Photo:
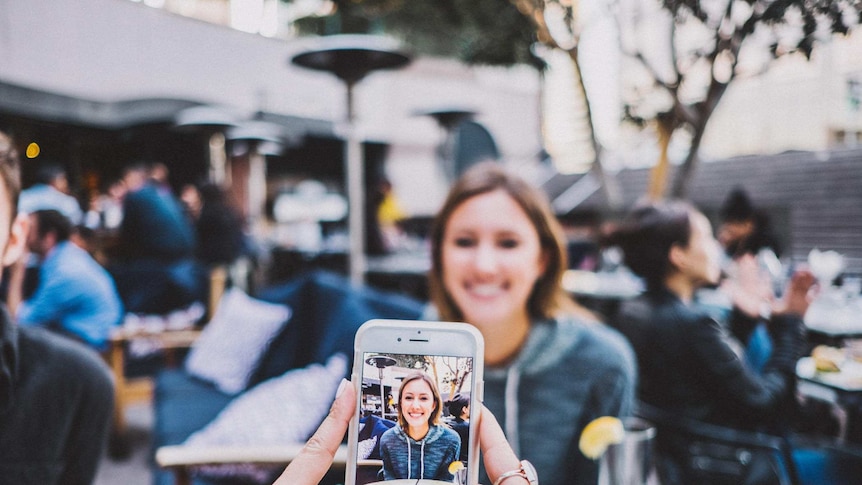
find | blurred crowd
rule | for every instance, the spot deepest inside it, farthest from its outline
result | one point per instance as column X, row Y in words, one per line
column 135, row 248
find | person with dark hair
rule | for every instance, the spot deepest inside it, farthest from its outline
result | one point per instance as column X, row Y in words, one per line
column 419, row 446
column 459, row 409
column 51, row 191
column 685, row 357
column 154, row 267
column 744, row 229
column 75, row 295
column 219, row 228
column 745, row 234
column 56, row 395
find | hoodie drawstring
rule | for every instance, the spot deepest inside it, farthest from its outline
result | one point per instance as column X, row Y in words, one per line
column 513, row 381
column 410, row 458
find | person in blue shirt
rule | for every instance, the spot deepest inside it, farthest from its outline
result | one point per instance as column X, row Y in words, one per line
column 75, row 295
column 51, row 191
column 154, row 265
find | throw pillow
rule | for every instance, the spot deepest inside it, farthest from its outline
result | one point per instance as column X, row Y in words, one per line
column 280, row 411
column 233, row 342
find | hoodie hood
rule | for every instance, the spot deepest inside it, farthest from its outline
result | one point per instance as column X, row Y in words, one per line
column 434, row 434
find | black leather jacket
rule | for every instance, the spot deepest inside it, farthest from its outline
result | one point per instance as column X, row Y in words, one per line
column 692, row 365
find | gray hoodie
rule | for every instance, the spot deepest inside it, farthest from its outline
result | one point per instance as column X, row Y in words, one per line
column 404, row 457
column 568, row 373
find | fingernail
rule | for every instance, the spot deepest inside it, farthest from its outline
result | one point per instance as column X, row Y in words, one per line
column 341, row 387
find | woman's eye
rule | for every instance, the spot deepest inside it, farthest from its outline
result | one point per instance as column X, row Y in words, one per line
column 464, row 242
column 508, row 243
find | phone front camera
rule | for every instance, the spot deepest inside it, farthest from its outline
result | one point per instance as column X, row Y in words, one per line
column 399, row 339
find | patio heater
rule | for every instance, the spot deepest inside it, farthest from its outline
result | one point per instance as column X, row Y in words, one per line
column 212, row 121
column 351, row 57
column 381, row 362
column 448, row 119
column 258, row 139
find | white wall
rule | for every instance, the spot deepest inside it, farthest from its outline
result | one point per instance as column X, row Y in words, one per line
column 114, row 50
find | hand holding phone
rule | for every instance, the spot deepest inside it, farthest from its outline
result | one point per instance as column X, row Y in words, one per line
column 312, row 463
column 417, row 405
column 314, row 460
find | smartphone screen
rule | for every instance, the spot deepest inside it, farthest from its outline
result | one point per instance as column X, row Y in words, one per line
column 415, row 406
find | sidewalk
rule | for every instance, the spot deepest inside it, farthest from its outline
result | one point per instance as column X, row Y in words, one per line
column 134, row 470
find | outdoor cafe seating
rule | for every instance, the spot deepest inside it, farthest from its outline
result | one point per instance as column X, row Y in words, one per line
column 829, row 388
column 298, row 357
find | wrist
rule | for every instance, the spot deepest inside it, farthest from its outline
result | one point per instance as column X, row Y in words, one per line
column 512, row 480
column 526, row 473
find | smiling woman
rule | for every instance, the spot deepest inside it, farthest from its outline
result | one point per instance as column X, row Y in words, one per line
column 419, row 446
column 498, row 258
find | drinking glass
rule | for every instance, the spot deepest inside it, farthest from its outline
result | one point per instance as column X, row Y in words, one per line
column 631, row 461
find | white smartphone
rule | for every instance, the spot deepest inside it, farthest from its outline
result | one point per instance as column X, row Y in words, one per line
column 419, row 394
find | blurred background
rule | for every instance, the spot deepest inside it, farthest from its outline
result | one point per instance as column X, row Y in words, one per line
column 336, row 126
column 599, row 102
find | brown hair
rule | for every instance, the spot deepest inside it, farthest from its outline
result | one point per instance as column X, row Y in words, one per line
column 548, row 297
column 10, row 172
column 434, row 420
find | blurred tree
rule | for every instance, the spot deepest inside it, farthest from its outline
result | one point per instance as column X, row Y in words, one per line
column 491, row 32
column 689, row 51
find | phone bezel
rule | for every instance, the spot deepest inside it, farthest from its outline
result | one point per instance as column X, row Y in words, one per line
column 421, row 338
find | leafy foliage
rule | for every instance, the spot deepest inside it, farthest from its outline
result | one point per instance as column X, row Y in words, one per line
column 489, row 32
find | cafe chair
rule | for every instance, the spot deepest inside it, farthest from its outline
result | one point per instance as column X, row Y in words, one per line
column 172, row 343
column 183, row 460
column 691, row 451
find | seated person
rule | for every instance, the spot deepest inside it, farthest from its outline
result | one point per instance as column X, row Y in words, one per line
column 154, row 266
column 51, row 191
column 744, row 229
column 459, row 408
column 419, row 446
column 689, row 364
column 56, row 395
column 74, row 295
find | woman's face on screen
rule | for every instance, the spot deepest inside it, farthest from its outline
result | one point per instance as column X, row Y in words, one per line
column 417, row 403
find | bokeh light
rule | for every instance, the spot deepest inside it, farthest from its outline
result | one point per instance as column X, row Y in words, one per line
column 33, row 150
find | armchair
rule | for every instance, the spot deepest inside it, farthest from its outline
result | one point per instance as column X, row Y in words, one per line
column 691, row 451
column 181, row 459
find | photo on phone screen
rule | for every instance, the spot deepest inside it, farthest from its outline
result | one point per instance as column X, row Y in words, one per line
column 413, row 418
